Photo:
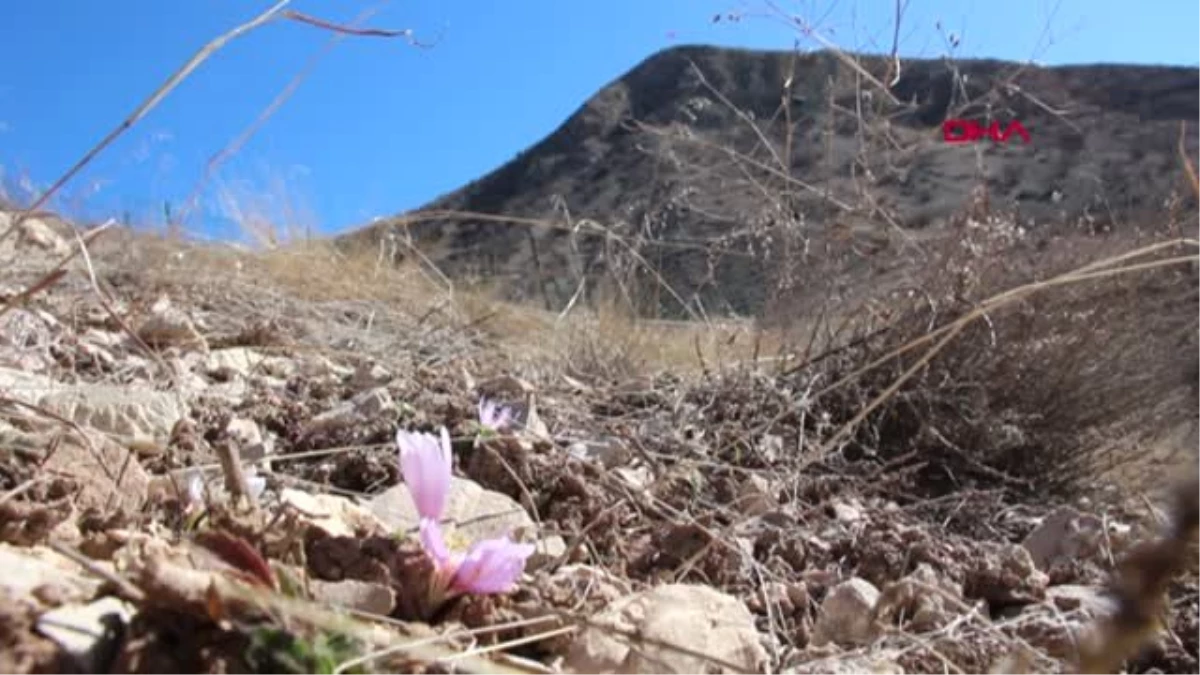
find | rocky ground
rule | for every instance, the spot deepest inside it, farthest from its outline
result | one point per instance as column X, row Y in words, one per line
column 686, row 520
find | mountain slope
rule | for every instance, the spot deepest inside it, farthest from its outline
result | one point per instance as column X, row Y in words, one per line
column 687, row 159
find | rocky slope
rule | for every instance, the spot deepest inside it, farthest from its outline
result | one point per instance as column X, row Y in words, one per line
column 198, row 473
column 685, row 158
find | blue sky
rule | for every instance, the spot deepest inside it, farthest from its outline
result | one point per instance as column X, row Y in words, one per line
column 380, row 126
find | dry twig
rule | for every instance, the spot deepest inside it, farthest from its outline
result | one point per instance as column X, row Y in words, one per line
column 275, row 12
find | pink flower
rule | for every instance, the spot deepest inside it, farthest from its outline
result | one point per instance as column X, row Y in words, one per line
column 425, row 463
column 489, row 566
column 493, row 416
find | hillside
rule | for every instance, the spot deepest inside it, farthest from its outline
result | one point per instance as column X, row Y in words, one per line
column 201, row 471
column 977, row 454
column 683, row 158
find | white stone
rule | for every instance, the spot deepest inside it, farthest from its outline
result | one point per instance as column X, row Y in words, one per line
column 476, row 513
column 845, row 615
column 699, row 619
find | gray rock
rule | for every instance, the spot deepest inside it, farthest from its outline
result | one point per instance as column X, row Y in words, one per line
column 249, row 438
column 317, row 366
column 373, row 402
column 847, row 511
column 610, row 451
column 477, row 513
column 637, row 478
column 756, row 496
column 360, row 596
column 28, row 569
column 549, row 550
column 699, row 619
column 336, row 516
column 1063, row 536
column 845, row 615
column 37, row 232
column 1091, row 601
column 169, row 326
column 368, row 375
column 88, row 634
column 232, row 362
column 847, row 664
column 128, row 411
column 26, row 387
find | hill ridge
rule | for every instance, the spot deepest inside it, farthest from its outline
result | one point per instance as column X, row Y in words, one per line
column 666, row 153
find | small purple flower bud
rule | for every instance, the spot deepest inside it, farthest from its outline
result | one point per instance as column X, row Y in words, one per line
column 256, row 483
column 494, row 416
column 425, row 462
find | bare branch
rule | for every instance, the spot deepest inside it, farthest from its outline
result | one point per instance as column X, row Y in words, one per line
column 352, row 29
column 276, row 11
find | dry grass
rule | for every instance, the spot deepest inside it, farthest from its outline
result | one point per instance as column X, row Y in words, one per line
column 316, row 279
column 1041, row 392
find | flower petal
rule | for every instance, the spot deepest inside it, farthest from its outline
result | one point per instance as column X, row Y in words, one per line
column 256, row 483
column 491, row 566
column 446, row 456
column 195, row 486
column 494, row 416
column 425, row 463
column 435, row 542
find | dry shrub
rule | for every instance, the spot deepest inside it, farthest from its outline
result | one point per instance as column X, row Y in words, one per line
column 314, row 271
column 1041, row 396
column 605, row 344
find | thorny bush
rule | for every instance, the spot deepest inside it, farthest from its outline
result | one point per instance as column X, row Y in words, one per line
column 1039, row 397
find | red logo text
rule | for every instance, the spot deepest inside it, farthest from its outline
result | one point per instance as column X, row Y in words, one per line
column 969, row 131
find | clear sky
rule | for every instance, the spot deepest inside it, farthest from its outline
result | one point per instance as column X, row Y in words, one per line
column 380, row 126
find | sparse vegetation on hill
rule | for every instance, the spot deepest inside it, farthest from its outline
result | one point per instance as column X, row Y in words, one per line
column 726, row 174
